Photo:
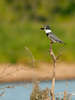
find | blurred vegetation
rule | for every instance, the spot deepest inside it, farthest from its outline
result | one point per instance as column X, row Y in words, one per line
column 20, row 22
column 39, row 94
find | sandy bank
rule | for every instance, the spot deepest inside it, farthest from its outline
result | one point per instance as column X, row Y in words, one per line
column 12, row 73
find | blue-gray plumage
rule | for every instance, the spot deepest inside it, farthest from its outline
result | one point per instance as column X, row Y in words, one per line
column 51, row 35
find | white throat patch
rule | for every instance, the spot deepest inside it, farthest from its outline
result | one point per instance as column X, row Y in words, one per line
column 47, row 31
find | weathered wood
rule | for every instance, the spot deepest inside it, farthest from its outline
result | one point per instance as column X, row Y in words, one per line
column 53, row 77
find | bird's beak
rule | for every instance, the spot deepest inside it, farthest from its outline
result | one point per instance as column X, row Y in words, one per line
column 42, row 28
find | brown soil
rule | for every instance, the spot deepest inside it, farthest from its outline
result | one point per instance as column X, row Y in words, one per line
column 14, row 73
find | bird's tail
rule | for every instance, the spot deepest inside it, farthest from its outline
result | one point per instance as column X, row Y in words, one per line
column 60, row 41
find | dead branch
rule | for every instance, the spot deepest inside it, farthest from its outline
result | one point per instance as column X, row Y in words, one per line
column 32, row 56
column 2, row 93
column 53, row 77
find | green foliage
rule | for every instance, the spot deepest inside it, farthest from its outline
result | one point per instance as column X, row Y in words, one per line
column 20, row 23
column 41, row 10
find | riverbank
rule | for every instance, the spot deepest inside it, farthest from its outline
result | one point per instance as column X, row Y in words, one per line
column 15, row 73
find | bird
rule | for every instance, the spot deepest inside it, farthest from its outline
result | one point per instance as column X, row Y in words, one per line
column 51, row 35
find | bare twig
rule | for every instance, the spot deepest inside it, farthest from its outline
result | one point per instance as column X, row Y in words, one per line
column 2, row 93
column 60, row 53
column 30, row 53
column 53, row 77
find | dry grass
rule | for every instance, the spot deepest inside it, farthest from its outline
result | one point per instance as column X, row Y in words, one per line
column 38, row 94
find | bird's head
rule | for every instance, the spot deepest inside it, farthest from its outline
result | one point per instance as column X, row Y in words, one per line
column 46, row 28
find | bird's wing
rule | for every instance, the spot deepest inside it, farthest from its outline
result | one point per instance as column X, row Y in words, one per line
column 54, row 37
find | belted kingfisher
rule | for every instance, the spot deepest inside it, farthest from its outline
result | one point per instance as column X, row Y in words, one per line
column 51, row 35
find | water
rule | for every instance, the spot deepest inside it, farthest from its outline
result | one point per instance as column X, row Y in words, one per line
column 22, row 91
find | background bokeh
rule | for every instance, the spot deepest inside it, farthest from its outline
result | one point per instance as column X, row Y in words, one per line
column 20, row 22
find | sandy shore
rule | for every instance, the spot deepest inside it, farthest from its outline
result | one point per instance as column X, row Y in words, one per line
column 14, row 73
